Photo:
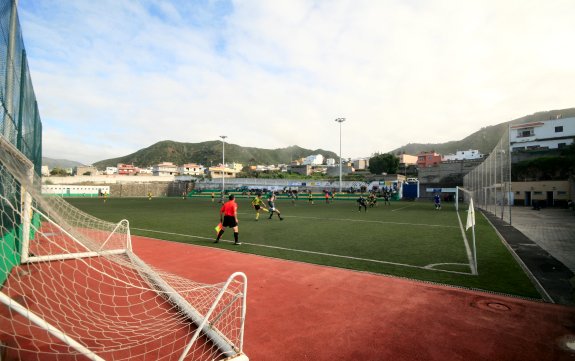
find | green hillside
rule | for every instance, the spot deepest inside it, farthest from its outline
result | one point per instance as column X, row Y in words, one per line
column 210, row 153
column 484, row 139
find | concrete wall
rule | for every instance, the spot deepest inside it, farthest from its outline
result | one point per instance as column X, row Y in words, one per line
column 547, row 193
column 435, row 174
column 163, row 189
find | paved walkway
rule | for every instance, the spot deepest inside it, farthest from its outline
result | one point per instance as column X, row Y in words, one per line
column 545, row 242
column 552, row 229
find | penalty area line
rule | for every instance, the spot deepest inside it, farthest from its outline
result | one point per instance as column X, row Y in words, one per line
column 426, row 268
column 365, row 221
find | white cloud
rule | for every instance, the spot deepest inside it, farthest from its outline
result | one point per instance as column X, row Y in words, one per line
column 274, row 74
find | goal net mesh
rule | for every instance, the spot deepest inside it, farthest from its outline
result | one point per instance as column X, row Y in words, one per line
column 72, row 289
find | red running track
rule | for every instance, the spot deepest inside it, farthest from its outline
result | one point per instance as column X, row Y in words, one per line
column 298, row 311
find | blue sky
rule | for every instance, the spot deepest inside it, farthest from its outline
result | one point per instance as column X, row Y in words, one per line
column 112, row 77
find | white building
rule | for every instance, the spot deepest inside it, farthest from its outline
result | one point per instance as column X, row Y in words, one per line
column 147, row 170
column 45, row 171
column 463, row 155
column 164, row 169
column 330, row 161
column 191, row 169
column 547, row 134
column 111, row 170
column 316, row 159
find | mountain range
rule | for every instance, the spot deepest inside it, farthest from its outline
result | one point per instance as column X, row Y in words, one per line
column 210, row 152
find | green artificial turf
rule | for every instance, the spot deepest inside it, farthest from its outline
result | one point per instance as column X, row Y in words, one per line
column 406, row 239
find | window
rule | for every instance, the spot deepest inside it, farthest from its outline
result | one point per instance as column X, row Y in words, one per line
column 559, row 129
column 561, row 145
column 526, row 132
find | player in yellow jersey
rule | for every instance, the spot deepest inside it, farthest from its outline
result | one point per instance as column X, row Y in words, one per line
column 258, row 205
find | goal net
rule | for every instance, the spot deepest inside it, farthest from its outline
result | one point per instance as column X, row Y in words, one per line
column 73, row 289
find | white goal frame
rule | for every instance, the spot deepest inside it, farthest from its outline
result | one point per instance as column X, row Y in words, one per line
column 22, row 171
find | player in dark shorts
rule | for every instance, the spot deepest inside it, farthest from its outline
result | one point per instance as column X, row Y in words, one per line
column 229, row 218
column 386, row 197
column 272, row 208
column 372, row 200
column 258, row 204
column 437, row 201
column 361, row 202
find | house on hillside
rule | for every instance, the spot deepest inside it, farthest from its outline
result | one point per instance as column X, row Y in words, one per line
column 164, row 169
column 222, row 171
column 316, row 159
column 463, row 155
column 542, row 135
column 406, row 160
column 428, row 159
column 127, row 169
column 191, row 169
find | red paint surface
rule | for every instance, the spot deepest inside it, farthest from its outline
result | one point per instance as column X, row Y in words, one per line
column 298, row 311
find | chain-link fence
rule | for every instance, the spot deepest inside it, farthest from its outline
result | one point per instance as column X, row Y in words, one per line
column 19, row 118
column 490, row 182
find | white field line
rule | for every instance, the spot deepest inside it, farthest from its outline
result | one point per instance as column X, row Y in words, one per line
column 428, row 267
column 397, row 209
column 467, row 248
column 366, row 221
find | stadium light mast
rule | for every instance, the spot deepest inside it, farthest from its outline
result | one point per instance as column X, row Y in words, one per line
column 223, row 164
column 340, row 120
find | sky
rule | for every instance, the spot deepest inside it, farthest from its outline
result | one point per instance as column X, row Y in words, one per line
column 112, row 77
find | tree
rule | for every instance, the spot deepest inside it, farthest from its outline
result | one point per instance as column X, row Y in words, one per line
column 58, row 172
column 383, row 163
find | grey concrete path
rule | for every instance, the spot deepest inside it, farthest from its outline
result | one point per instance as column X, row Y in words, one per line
column 544, row 241
column 552, row 229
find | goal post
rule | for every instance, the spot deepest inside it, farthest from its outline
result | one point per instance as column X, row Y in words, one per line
column 72, row 287
column 464, row 196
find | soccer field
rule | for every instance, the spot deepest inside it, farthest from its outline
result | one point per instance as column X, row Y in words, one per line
column 406, row 239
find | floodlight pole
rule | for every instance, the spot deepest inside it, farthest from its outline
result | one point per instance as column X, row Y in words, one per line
column 340, row 120
column 223, row 164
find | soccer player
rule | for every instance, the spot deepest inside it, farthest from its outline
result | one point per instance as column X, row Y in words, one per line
column 437, row 201
column 272, row 208
column 386, row 197
column 372, row 200
column 258, row 204
column 149, row 196
column 292, row 197
column 229, row 218
column 310, row 197
column 213, row 197
column 361, row 202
